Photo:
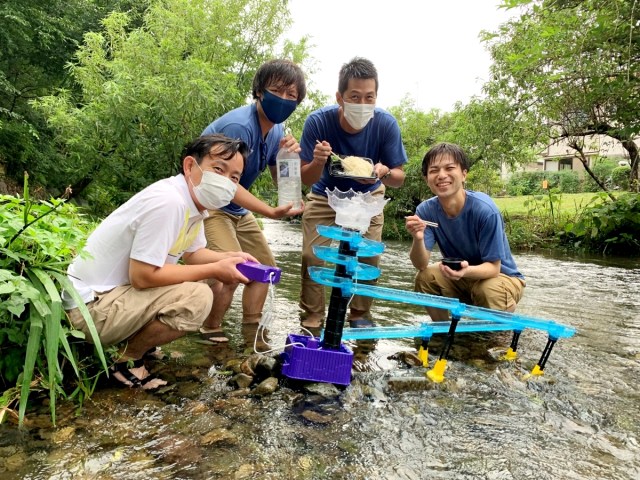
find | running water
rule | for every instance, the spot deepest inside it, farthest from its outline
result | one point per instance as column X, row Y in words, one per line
column 485, row 421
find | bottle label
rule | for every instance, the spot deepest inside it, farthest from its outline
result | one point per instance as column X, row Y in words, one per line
column 288, row 168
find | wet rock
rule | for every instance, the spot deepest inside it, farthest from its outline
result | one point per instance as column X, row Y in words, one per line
column 248, row 366
column 316, row 417
column 63, row 435
column 241, row 380
column 326, row 390
column 241, row 392
column 410, row 359
column 205, row 423
column 186, row 389
column 266, row 366
column 234, row 365
column 219, row 437
column 244, row 471
column 373, row 394
column 196, row 407
column 15, row 461
column 9, row 437
column 410, row 384
column 266, row 387
column 178, row 449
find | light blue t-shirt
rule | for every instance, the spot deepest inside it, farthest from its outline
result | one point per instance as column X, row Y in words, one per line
column 242, row 124
column 475, row 235
column 379, row 140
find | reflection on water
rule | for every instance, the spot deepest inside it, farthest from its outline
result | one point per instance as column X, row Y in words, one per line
column 486, row 421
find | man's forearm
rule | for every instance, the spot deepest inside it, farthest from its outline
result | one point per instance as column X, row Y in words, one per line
column 419, row 255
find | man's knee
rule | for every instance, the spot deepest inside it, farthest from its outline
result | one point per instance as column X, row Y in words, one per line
column 202, row 302
column 498, row 293
column 426, row 280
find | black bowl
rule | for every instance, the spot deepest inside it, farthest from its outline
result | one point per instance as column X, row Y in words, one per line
column 452, row 263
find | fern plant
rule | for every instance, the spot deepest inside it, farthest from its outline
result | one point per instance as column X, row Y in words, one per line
column 38, row 240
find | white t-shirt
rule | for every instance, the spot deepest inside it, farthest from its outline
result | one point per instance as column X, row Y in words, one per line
column 156, row 226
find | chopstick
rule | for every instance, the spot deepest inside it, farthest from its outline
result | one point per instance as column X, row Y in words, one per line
column 429, row 224
column 330, row 151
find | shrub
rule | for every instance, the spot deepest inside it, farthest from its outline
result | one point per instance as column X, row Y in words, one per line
column 37, row 242
column 620, row 177
column 608, row 227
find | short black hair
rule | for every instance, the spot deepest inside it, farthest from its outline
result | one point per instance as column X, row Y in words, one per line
column 282, row 72
column 357, row 67
column 201, row 147
column 442, row 149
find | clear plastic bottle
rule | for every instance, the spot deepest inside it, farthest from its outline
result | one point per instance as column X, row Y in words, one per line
column 289, row 182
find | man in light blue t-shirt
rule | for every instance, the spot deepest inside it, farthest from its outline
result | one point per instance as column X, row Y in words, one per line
column 470, row 228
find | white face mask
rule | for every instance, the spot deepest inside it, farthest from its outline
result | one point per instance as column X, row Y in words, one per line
column 215, row 191
column 358, row 114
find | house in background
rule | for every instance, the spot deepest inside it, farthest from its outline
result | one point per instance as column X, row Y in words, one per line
column 559, row 156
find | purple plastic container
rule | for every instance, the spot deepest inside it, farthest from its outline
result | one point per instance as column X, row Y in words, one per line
column 258, row 272
column 305, row 359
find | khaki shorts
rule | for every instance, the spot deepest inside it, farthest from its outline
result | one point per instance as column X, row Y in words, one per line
column 500, row 293
column 234, row 233
column 122, row 312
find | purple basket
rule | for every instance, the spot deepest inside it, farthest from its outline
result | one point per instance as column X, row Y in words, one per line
column 305, row 359
column 258, row 272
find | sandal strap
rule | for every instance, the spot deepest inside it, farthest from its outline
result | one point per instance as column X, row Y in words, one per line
column 123, row 369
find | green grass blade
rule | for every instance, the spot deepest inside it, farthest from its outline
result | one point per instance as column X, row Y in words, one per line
column 67, row 348
column 33, row 346
column 70, row 289
column 52, row 335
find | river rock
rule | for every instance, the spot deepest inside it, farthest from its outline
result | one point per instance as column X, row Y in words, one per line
column 240, row 392
column 248, row 366
column 266, row 366
column 410, row 384
column 266, row 387
column 316, row 417
column 326, row 390
column 219, row 437
column 410, row 359
column 242, row 380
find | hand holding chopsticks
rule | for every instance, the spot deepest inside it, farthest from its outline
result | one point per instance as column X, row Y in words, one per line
column 335, row 156
column 429, row 224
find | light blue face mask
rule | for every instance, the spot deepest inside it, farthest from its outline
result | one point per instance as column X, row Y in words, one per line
column 277, row 109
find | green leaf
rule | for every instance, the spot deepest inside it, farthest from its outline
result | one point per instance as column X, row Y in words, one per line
column 33, row 346
column 71, row 290
column 52, row 335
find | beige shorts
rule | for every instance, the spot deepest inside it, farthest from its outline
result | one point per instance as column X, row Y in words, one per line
column 122, row 312
column 500, row 293
column 234, row 233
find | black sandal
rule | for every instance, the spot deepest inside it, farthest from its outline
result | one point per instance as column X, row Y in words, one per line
column 123, row 369
column 154, row 353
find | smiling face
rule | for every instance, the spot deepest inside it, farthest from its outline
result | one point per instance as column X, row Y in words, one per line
column 446, row 177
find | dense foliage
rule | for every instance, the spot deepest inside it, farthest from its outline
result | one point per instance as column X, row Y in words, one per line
column 608, row 227
column 575, row 66
column 37, row 242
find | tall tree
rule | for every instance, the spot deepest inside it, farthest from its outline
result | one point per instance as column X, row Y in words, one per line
column 146, row 91
column 37, row 40
column 575, row 64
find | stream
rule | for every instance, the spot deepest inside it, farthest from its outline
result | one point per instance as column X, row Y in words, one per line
column 488, row 420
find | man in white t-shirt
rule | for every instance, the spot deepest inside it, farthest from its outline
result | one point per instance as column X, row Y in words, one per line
column 130, row 280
